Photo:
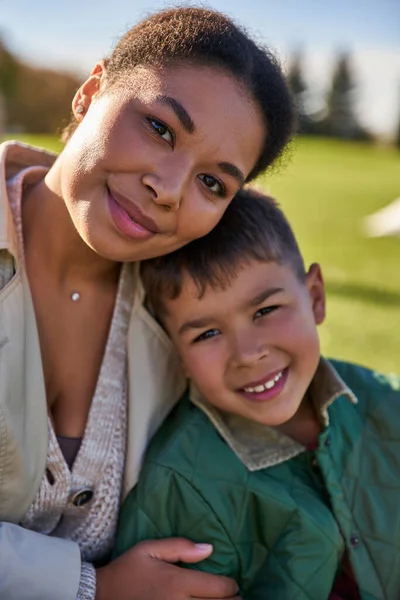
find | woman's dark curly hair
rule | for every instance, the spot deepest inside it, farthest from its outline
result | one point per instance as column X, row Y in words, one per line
column 205, row 37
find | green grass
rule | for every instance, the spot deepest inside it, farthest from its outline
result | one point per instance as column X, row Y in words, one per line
column 326, row 190
column 50, row 142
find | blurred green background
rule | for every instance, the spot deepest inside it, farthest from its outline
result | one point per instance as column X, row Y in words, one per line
column 326, row 188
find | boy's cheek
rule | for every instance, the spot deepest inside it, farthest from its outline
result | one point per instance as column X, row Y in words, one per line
column 206, row 372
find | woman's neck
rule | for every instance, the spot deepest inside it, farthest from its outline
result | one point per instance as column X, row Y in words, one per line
column 52, row 242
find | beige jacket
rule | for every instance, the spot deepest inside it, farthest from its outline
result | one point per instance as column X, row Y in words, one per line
column 155, row 383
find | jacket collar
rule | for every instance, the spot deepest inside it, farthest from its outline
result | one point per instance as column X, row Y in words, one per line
column 14, row 157
column 258, row 446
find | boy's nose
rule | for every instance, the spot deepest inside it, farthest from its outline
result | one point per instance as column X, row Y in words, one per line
column 250, row 352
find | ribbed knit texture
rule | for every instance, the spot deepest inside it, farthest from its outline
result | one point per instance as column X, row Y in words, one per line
column 99, row 463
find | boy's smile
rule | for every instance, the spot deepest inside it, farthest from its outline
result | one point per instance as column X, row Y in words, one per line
column 266, row 388
column 251, row 347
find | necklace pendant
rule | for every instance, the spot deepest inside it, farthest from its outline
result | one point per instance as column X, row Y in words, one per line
column 75, row 296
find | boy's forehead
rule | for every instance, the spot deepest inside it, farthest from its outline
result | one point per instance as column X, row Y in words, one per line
column 253, row 282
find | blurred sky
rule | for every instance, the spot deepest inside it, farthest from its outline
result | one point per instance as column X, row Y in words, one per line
column 74, row 34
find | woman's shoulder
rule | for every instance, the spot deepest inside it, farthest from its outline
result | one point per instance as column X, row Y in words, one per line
column 15, row 159
column 16, row 156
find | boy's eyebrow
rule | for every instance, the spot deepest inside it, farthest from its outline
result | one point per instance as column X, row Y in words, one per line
column 264, row 295
column 208, row 320
column 184, row 118
column 196, row 324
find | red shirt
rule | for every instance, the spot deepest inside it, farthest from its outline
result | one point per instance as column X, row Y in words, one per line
column 345, row 586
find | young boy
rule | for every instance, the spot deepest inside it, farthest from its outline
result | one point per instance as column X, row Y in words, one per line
column 287, row 462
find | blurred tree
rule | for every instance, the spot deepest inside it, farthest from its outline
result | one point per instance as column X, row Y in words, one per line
column 35, row 100
column 9, row 73
column 43, row 102
column 2, row 114
column 295, row 75
column 298, row 88
column 341, row 120
column 310, row 107
column 397, row 139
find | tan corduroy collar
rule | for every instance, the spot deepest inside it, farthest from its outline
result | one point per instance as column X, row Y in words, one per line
column 259, row 446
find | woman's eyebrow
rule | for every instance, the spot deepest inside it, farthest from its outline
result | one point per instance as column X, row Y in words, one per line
column 233, row 171
column 188, row 125
column 180, row 111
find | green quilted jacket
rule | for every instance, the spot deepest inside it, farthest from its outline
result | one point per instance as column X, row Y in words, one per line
column 280, row 517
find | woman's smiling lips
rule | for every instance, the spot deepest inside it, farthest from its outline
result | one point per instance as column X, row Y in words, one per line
column 129, row 219
column 266, row 388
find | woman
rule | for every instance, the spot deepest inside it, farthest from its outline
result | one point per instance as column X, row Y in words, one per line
column 185, row 110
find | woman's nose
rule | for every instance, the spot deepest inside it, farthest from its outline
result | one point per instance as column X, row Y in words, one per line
column 166, row 190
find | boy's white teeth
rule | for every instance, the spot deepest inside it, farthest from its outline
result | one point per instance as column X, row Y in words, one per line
column 259, row 388
column 268, row 385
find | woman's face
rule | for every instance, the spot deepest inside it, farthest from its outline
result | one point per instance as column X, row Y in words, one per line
column 154, row 163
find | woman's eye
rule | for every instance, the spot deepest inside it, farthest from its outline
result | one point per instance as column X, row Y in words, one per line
column 207, row 335
column 213, row 184
column 265, row 310
column 162, row 130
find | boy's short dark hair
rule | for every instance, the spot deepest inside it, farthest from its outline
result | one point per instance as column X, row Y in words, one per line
column 252, row 227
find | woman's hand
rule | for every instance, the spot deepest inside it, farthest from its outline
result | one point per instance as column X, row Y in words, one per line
column 145, row 573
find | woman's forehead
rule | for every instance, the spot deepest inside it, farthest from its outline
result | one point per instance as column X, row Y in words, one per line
column 211, row 104
column 149, row 81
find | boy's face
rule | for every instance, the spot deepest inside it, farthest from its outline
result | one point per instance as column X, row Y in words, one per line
column 253, row 348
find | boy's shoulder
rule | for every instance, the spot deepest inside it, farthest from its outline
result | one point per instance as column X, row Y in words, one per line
column 363, row 380
column 188, row 443
column 377, row 395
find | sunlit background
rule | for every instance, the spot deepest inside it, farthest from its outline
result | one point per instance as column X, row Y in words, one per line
column 342, row 58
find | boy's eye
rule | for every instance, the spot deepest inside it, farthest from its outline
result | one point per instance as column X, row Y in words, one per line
column 213, row 184
column 265, row 310
column 206, row 335
column 162, row 130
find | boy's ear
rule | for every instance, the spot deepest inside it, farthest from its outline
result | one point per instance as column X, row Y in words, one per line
column 185, row 370
column 316, row 289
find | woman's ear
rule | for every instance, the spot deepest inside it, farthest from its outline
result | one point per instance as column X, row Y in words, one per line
column 88, row 91
column 316, row 290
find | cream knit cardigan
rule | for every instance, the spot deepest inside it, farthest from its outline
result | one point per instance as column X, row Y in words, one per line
column 99, row 464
